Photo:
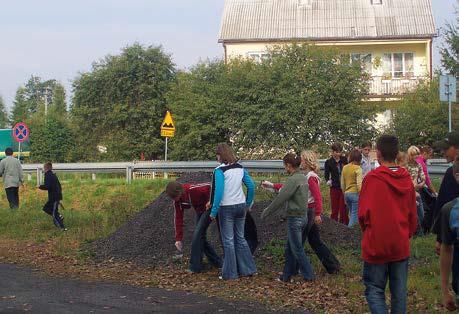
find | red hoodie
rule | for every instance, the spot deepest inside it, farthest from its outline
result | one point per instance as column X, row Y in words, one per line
column 387, row 215
column 194, row 196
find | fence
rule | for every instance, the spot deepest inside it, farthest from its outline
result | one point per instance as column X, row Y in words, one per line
column 435, row 167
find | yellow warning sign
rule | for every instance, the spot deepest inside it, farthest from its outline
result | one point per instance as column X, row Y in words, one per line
column 168, row 127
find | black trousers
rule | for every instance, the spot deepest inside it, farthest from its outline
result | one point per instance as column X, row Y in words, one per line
column 12, row 194
column 326, row 257
column 52, row 209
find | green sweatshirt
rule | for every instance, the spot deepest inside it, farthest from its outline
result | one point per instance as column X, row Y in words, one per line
column 295, row 192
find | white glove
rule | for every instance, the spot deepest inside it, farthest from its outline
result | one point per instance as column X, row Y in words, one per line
column 179, row 246
column 329, row 182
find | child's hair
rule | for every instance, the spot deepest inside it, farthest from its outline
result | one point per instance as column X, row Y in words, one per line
column 48, row 166
column 413, row 152
column 402, row 159
column 226, row 153
column 425, row 149
column 337, row 147
column 388, row 146
column 366, row 144
column 174, row 189
column 310, row 159
column 456, row 166
column 355, row 156
column 293, row 159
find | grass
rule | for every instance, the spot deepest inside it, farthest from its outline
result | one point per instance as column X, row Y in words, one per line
column 94, row 209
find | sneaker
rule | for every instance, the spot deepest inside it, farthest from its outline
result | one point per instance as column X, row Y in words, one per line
column 220, row 277
column 64, row 229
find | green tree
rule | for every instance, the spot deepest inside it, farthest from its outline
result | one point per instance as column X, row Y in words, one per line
column 421, row 118
column 51, row 138
column 302, row 96
column 450, row 50
column 20, row 107
column 59, row 104
column 120, row 104
column 3, row 114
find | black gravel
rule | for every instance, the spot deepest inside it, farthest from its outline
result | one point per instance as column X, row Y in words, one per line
column 148, row 238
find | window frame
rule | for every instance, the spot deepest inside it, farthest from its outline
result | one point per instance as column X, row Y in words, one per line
column 260, row 55
column 351, row 59
column 406, row 73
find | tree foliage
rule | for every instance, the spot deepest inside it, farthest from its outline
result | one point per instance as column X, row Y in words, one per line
column 120, row 104
column 450, row 51
column 3, row 115
column 421, row 118
column 301, row 96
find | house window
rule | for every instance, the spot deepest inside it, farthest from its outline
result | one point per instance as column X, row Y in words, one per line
column 365, row 59
column 398, row 64
column 258, row 56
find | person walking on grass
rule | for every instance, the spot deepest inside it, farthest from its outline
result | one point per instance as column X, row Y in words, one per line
column 333, row 168
column 53, row 186
column 351, row 183
column 388, row 219
column 295, row 193
column 310, row 167
column 11, row 171
column 449, row 225
column 196, row 196
column 231, row 205
column 419, row 182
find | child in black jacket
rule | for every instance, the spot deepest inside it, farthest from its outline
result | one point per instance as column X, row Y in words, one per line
column 53, row 186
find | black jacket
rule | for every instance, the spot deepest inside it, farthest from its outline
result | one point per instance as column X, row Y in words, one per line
column 333, row 169
column 53, row 186
column 449, row 190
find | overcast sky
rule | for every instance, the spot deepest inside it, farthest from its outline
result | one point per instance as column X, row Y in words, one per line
column 56, row 39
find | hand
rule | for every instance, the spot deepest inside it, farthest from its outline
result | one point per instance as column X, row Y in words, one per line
column 212, row 218
column 437, row 248
column 266, row 184
column 448, row 301
column 179, row 246
column 329, row 182
column 318, row 220
column 208, row 206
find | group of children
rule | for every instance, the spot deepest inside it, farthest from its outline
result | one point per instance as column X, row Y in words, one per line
column 383, row 197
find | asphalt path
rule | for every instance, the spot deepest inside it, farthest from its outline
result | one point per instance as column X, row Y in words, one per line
column 23, row 290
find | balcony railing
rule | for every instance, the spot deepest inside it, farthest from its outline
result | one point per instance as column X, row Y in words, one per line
column 383, row 87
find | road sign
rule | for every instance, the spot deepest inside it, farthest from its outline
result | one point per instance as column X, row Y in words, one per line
column 448, row 93
column 447, row 88
column 168, row 127
column 21, row 132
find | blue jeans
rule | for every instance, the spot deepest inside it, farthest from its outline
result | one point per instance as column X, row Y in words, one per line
column 295, row 256
column 352, row 202
column 238, row 257
column 420, row 210
column 375, row 278
column 200, row 246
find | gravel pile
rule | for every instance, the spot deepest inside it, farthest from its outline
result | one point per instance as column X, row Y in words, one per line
column 148, row 238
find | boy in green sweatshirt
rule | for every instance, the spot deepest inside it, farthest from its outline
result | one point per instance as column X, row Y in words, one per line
column 295, row 194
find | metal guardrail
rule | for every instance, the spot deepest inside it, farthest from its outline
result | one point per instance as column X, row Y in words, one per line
column 435, row 167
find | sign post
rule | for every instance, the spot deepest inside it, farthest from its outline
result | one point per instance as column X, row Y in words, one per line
column 20, row 134
column 448, row 93
column 167, row 130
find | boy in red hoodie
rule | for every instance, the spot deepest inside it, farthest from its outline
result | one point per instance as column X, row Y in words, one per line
column 388, row 218
column 196, row 196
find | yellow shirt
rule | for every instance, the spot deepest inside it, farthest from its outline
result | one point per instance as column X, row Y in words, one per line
column 351, row 178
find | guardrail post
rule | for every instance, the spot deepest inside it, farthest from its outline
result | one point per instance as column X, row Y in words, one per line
column 39, row 173
column 93, row 177
column 129, row 174
column 29, row 177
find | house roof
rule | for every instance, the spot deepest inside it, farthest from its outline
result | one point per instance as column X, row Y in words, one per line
column 270, row 20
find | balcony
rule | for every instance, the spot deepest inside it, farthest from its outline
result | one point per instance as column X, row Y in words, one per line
column 383, row 87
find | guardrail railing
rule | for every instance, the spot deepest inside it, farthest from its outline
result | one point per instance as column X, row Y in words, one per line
column 435, row 167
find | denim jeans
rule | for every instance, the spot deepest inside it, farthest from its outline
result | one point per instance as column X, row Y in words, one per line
column 295, row 256
column 420, row 210
column 238, row 257
column 200, row 246
column 375, row 278
column 352, row 202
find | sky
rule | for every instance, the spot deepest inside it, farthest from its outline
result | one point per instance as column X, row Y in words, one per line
column 56, row 39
